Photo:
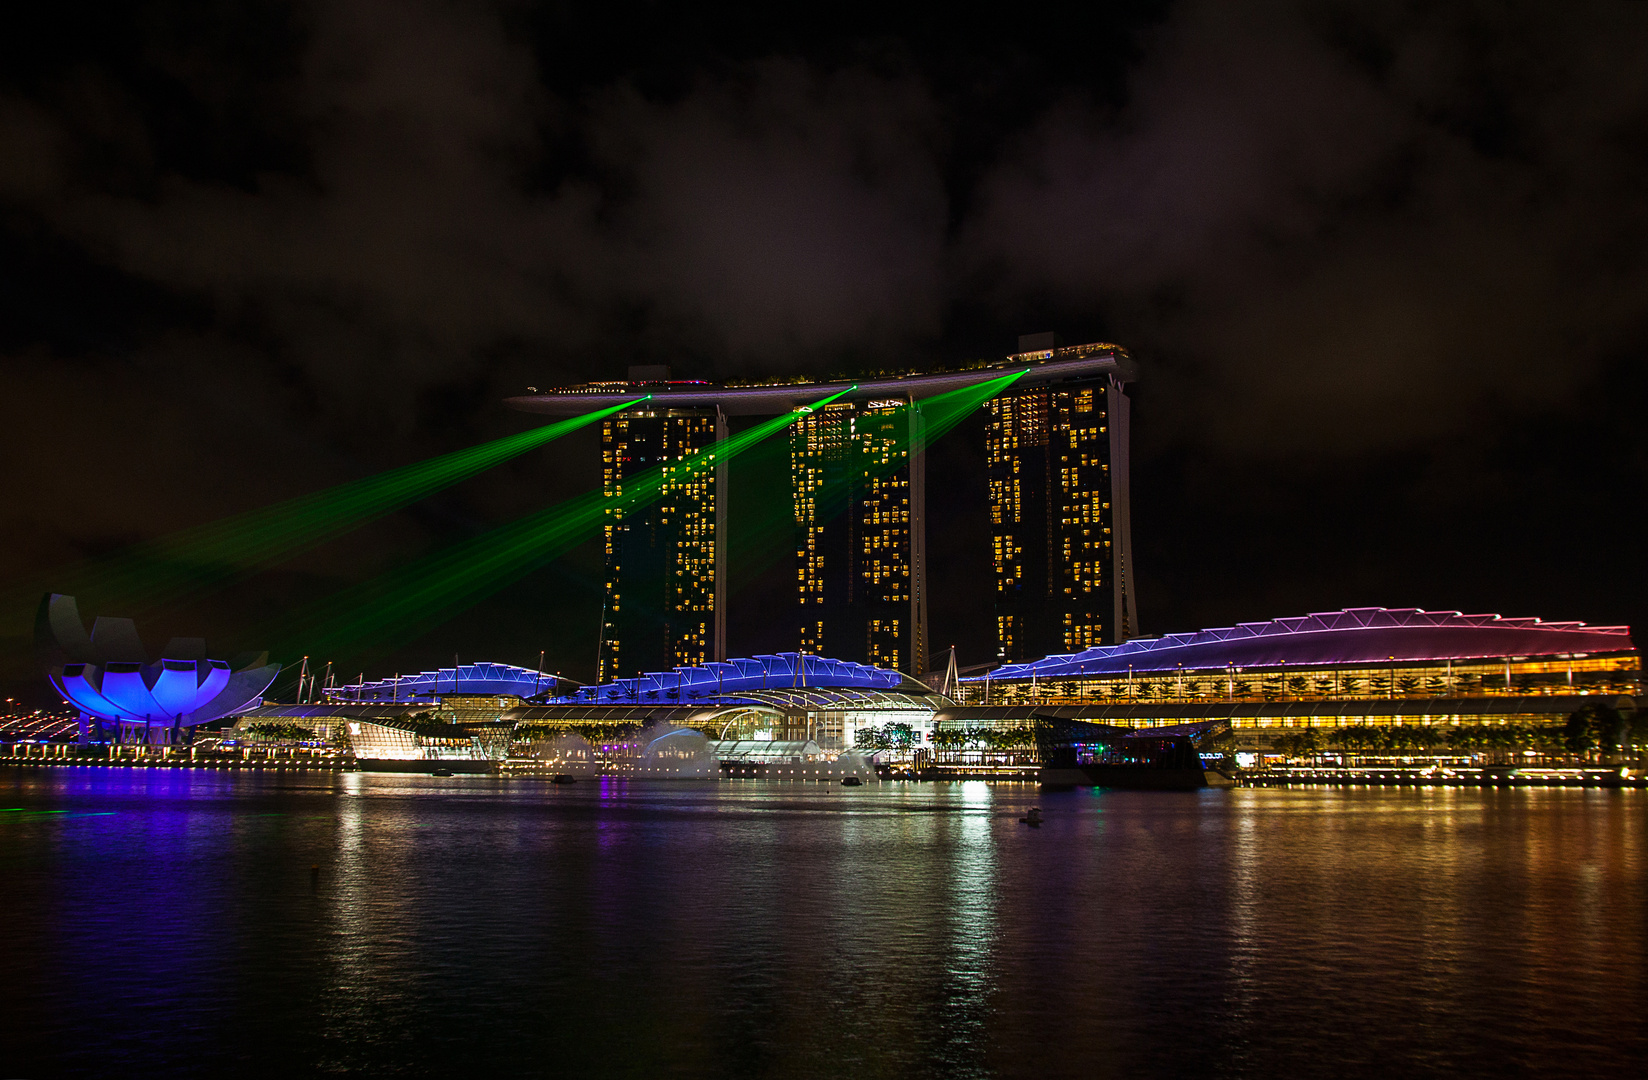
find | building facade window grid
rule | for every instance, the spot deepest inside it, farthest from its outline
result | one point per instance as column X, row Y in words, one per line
column 851, row 488
column 1051, row 495
column 660, row 611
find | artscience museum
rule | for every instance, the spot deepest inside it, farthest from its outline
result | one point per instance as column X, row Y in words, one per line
column 124, row 696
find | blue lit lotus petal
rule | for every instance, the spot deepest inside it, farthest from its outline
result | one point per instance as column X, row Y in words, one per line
column 177, row 688
column 217, row 677
column 240, row 690
column 170, row 693
column 75, row 685
column 123, row 684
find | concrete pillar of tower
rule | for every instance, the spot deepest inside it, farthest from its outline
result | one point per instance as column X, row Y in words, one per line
column 917, row 666
column 1121, row 571
column 720, row 565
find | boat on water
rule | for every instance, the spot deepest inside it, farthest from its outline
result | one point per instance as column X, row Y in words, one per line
column 1141, row 762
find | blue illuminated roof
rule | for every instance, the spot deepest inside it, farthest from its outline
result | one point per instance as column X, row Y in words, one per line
column 721, row 678
column 1351, row 636
column 107, row 674
column 484, row 677
column 180, row 692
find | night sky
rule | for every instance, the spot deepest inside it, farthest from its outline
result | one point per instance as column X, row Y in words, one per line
column 1384, row 268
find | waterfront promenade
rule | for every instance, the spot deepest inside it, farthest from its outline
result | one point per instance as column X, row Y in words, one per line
column 61, row 756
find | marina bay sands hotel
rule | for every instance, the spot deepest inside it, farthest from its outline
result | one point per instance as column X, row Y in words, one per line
column 1057, row 452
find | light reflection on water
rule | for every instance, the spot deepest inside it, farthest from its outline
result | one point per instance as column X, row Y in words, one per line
column 168, row 924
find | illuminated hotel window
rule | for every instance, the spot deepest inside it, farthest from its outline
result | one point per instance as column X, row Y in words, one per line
column 851, row 497
column 1048, row 482
column 664, row 553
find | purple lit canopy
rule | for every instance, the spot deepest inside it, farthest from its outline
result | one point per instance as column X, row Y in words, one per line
column 1352, row 636
column 768, row 672
column 484, row 677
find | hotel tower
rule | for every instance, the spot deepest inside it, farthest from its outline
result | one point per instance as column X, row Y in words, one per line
column 856, row 480
column 1060, row 530
column 1056, row 444
column 664, row 581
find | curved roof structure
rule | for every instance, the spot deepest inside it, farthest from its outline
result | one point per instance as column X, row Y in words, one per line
column 770, row 399
column 172, row 692
column 107, row 674
column 724, row 680
column 751, row 751
column 695, row 716
column 1351, row 636
column 825, row 699
column 484, row 677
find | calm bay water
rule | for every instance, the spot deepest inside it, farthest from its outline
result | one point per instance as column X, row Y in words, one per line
column 170, row 924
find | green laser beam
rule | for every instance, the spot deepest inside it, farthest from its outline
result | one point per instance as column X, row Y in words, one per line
column 941, row 413
column 763, row 530
column 938, row 416
column 195, row 560
column 403, row 603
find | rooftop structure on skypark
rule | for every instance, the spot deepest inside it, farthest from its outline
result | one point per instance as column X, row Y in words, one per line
column 1046, row 365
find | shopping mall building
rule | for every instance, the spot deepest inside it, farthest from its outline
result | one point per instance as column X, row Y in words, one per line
column 1361, row 667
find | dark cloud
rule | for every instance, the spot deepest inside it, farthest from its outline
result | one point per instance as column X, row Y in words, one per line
column 256, row 250
column 785, row 212
column 1348, row 248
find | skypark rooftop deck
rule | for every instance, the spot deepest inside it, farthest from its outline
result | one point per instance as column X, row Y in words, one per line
column 764, row 399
